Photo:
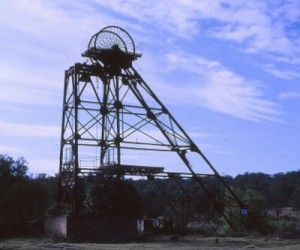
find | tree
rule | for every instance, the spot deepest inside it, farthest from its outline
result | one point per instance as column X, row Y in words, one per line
column 239, row 218
column 257, row 181
column 295, row 199
column 10, row 167
column 116, row 198
column 22, row 201
column 280, row 191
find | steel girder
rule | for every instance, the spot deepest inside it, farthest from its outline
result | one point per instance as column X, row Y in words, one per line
column 109, row 114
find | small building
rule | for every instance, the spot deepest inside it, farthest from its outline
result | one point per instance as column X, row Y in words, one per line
column 150, row 226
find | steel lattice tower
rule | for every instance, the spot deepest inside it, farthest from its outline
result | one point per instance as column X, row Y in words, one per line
column 110, row 113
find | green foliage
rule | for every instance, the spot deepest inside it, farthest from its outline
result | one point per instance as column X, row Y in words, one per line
column 238, row 222
column 50, row 184
column 22, row 200
column 286, row 228
column 10, row 167
column 295, row 199
column 59, row 209
column 158, row 196
column 259, row 182
column 153, row 202
column 280, row 190
column 115, row 198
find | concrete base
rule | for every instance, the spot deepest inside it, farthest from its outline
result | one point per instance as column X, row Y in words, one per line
column 91, row 228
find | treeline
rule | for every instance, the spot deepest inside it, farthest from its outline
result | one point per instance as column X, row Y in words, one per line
column 278, row 190
column 272, row 191
column 25, row 199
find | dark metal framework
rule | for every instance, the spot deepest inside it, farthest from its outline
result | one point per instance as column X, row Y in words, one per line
column 110, row 113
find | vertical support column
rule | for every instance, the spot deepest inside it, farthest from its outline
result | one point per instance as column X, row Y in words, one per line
column 62, row 140
column 76, row 101
column 104, row 112
column 117, row 105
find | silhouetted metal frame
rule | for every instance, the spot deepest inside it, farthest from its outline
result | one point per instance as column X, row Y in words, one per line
column 186, row 193
column 110, row 118
column 109, row 112
column 173, row 204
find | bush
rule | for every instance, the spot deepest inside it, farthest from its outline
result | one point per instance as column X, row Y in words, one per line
column 286, row 229
column 59, row 209
column 116, row 198
column 23, row 201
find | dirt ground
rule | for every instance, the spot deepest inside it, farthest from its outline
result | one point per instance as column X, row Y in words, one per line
column 186, row 243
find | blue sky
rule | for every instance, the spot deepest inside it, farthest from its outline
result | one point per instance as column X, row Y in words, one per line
column 227, row 70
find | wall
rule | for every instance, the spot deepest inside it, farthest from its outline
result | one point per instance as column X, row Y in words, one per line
column 56, row 226
column 91, row 228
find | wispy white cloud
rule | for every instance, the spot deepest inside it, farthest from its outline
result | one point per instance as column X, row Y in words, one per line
column 222, row 90
column 28, row 130
column 254, row 25
column 284, row 74
column 30, row 84
column 286, row 10
column 18, row 94
column 291, row 95
column 287, row 59
column 10, row 150
column 260, row 26
column 40, row 39
column 173, row 16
